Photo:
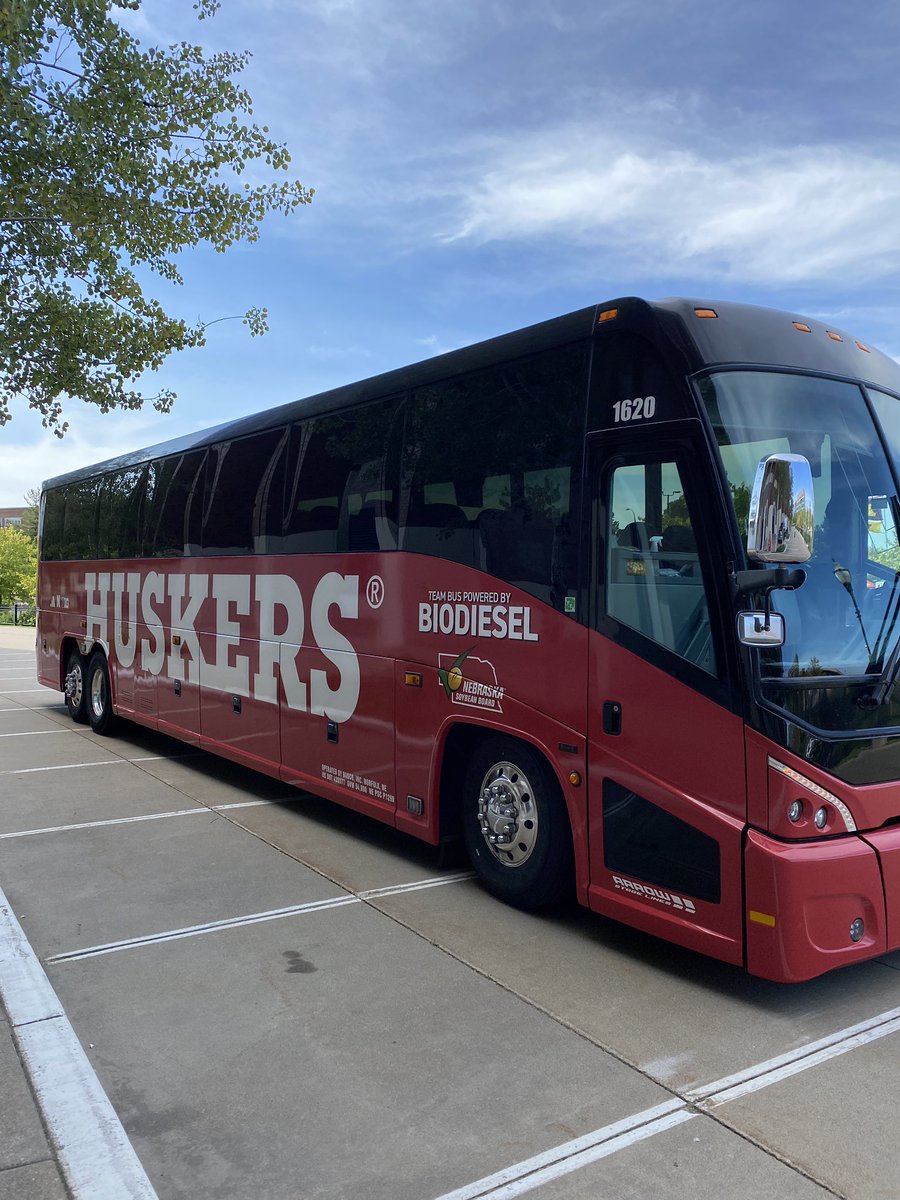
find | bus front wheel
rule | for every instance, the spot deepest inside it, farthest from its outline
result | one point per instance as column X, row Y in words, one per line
column 74, row 689
column 99, row 694
column 515, row 825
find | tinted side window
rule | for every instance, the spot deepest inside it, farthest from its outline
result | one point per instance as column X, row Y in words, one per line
column 649, row 843
column 492, row 470
column 120, row 512
column 52, row 524
column 341, row 491
column 174, row 505
column 79, row 538
column 237, row 483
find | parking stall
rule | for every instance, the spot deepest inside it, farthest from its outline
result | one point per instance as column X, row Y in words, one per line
column 217, row 986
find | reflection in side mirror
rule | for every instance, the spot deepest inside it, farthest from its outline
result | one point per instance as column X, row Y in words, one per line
column 760, row 629
column 782, row 510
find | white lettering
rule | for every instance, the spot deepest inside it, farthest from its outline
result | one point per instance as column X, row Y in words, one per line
column 154, row 589
column 183, row 616
column 172, row 604
column 338, row 704
column 97, row 608
column 229, row 592
column 512, row 622
column 125, row 646
column 279, row 593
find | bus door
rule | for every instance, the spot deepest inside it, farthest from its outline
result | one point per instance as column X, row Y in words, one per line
column 667, row 804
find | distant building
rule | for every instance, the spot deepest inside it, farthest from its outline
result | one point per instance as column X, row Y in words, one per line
column 11, row 516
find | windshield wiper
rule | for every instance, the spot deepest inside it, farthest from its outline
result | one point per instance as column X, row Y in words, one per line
column 884, row 688
column 845, row 579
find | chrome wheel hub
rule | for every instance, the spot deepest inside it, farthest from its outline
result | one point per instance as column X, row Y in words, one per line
column 74, row 686
column 98, row 694
column 507, row 814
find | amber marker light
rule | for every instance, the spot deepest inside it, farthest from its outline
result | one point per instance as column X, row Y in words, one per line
column 802, row 326
column 760, row 918
column 835, row 337
column 608, row 314
column 574, row 779
column 705, row 312
column 412, row 679
column 863, row 347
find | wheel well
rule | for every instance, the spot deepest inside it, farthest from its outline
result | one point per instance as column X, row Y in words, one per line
column 461, row 743
column 68, row 645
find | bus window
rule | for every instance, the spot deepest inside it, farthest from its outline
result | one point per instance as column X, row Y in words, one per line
column 80, row 521
column 174, row 504
column 340, row 493
column 52, row 524
column 238, row 477
column 490, row 470
column 119, row 522
column 653, row 579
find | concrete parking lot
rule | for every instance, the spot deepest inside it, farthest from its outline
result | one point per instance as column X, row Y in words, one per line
column 215, row 986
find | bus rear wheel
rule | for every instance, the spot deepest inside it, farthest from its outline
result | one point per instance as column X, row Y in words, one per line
column 515, row 825
column 99, row 694
column 74, row 689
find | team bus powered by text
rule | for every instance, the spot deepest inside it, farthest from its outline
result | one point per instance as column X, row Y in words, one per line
column 614, row 597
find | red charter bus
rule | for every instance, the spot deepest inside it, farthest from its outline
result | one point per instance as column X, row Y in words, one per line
column 614, row 599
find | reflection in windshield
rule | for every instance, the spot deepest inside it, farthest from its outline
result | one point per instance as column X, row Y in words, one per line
column 844, row 621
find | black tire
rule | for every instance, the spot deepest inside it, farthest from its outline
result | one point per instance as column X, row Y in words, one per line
column 75, row 691
column 98, row 694
column 512, row 796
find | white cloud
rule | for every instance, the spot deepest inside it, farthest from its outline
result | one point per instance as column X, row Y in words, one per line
column 29, row 454
column 789, row 215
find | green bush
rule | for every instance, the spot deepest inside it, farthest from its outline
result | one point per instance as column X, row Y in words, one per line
column 27, row 615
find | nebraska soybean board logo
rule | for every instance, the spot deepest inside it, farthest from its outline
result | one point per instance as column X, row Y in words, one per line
column 470, row 681
column 644, row 892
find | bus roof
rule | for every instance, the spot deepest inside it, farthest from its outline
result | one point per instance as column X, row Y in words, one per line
column 734, row 334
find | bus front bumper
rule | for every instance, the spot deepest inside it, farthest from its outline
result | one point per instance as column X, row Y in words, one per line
column 813, row 906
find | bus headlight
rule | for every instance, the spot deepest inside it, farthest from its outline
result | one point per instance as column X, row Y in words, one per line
column 826, row 814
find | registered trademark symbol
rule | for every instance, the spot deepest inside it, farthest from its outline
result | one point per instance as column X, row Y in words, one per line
column 375, row 591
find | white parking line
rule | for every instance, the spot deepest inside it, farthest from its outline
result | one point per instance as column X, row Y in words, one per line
column 181, row 812
column 105, row 762
column 94, row 1153
column 571, row 1156
column 275, row 914
column 744, row 1083
column 37, row 733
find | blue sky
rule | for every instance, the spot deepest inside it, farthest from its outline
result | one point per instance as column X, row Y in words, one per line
column 483, row 164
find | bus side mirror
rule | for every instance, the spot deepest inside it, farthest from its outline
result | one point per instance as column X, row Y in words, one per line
column 760, row 629
column 782, row 511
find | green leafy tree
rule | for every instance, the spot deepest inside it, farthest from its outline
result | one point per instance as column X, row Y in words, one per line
column 113, row 158
column 18, row 566
column 29, row 525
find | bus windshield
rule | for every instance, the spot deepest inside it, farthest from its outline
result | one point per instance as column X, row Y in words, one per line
column 842, row 625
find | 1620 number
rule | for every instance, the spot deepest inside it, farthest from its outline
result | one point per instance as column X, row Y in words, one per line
column 641, row 408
